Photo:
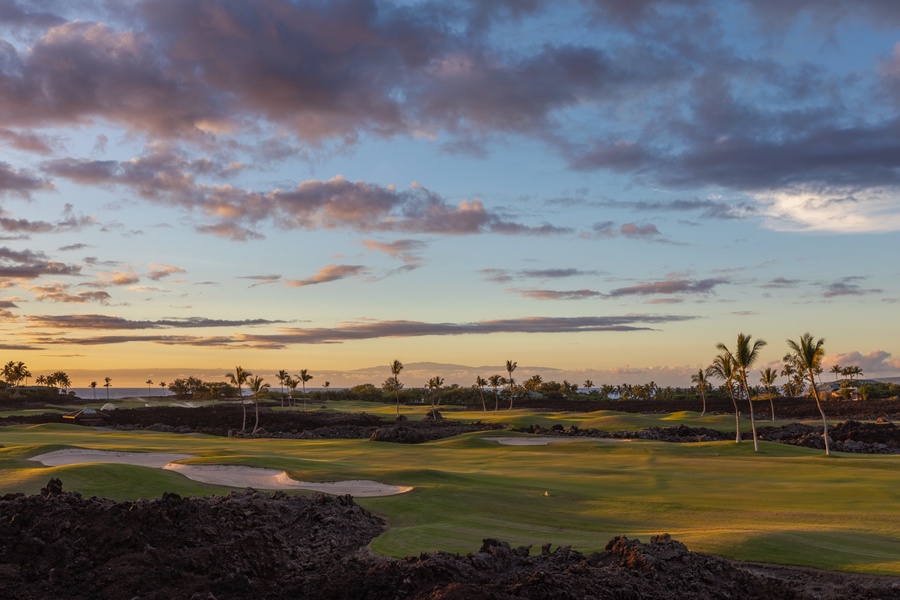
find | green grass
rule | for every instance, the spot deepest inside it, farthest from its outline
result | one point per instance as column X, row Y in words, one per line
column 786, row 504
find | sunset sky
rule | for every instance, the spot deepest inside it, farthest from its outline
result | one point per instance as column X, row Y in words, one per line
column 603, row 187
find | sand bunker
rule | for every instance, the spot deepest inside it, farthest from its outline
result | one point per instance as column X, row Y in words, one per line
column 543, row 441
column 227, row 475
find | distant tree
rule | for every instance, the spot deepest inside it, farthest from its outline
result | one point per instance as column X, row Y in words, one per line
column 701, row 381
column 326, row 385
column 745, row 354
column 767, row 379
column 723, row 368
column 282, row 376
column 533, row 383
column 258, row 388
column 107, row 383
column 496, row 381
column 149, row 382
column 588, row 385
column 837, row 370
column 93, row 387
column 480, row 383
column 808, row 354
column 510, row 367
column 395, row 385
column 239, row 377
column 292, row 384
column 434, row 384
column 162, row 386
column 304, row 377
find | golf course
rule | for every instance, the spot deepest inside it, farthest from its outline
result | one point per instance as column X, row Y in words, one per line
column 784, row 504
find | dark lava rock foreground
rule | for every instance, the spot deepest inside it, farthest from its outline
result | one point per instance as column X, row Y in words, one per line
column 58, row 544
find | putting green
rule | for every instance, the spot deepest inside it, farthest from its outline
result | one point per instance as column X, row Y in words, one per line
column 786, row 504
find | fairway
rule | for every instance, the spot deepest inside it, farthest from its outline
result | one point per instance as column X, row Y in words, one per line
column 786, row 504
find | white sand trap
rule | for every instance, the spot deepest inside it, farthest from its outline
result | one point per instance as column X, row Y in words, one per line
column 227, row 475
column 543, row 441
column 71, row 456
column 273, row 479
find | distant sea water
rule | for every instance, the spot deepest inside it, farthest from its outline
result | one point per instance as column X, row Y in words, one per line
column 117, row 393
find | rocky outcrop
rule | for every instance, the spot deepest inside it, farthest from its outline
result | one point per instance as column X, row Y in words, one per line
column 251, row 545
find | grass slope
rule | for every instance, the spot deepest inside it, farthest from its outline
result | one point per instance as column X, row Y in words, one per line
column 787, row 504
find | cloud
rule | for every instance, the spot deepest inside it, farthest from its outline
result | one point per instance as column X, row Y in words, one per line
column 60, row 293
column 782, row 282
column 27, row 142
column 876, row 361
column 365, row 330
column 20, row 182
column 167, row 177
column 108, row 322
column 406, row 250
column 834, row 210
column 160, row 271
column 505, row 276
column 328, row 274
column 67, row 223
column 118, row 278
column 27, row 264
column 559, row 294
column 608, row 229
column 558, row 273
column 710, row 209
column 670, row 286
column 846, row 288
column 261, row 279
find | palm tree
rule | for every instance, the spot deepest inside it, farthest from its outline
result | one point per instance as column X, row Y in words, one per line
column 257, row 387
column 496, row 381
column 107, row 384
column 700, row 379
column 162, row 386
column 510, row 367
column 723, row 368
column 93, row 387
column 396, row 367
column 41, row 380
column 62, row 379
column 282, row 376
column 326, row 385
column 745, row 354
column 434, row 383
column 808, row 355
column 304, row 377
column 480, row 382
column 149, row 382
column 533, row 383
column 837, row 370
column 239, row 378
column 767, row 378
column 292, row 384
column 588, row 385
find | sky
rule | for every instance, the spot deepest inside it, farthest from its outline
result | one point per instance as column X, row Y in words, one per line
column 600, row 189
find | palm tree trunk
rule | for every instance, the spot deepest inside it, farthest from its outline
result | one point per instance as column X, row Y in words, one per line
column 821, row 412
column 772, row 407
column 752, row 416
column 483, row 405
column 737, row 418
column 256, row 423
column 244, row 409
column 703, row 397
